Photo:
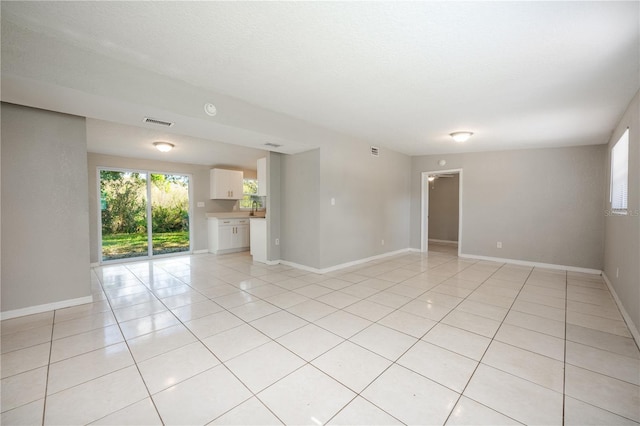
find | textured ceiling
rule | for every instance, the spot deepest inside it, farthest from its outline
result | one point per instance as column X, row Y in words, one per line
column 397, row 74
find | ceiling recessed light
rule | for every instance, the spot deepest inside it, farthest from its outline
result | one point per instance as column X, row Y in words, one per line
column 461, row 136
column 163, row 146
column 210, row 109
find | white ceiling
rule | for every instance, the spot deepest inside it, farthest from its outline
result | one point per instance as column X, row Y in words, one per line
column 401, row 75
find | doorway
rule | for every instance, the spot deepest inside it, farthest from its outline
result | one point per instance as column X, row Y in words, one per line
column 442, row 210
column 143, row 214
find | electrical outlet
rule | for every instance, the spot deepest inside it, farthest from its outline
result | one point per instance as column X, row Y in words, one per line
column 617, row 272
column 200, row 203
column 499, row 244
column 382, row 243
column 277, row 241
column 333, row 201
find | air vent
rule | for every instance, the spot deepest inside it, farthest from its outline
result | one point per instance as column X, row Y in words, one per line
column 272, row 145
column 158, row 122
column 375, row 151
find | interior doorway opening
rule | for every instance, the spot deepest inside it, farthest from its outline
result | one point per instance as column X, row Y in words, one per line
column 442, row 211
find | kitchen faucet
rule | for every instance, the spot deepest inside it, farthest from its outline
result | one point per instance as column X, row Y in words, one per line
column 254, row 208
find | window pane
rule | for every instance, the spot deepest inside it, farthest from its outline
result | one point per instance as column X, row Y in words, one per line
column 620, row 173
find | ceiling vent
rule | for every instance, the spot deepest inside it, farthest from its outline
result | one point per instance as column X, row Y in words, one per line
column 158, row 122
column 375, row 151
column 272, row 145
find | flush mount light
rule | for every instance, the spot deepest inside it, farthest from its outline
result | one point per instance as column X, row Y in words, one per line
column 461, row 136
column 431, row 178
column 210, row 109
column 163, row 146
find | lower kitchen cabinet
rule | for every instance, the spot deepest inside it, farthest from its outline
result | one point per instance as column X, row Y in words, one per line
column 228, row 235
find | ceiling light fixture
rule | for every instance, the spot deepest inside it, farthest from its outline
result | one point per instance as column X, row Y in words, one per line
column 431, row 178
column 210, row 109
column 163, row 146
column 461, row 136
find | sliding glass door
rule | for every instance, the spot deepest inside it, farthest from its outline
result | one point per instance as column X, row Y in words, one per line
column 143, row 214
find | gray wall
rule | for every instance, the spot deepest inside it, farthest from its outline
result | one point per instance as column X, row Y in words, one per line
column 300, row 216
column 544, row 205
column 443, row 208
column 372, row 202
column 45, row 219
column 622, row 233
column 274, row 200
column 200, row 192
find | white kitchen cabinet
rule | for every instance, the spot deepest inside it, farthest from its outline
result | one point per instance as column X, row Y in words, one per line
column 259, row 240
column 228, row 235
column 226, row 184
column 262, row 177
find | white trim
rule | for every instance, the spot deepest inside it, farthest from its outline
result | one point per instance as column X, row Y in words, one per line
column 424, row 213
column 344, row 265
column 45, row 308
column 632, row 327
column 94, row 264
column 202, row 251
column 535, row 264
column 447, row 242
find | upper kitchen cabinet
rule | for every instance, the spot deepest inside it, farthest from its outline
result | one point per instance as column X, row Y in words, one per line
column 226, row 184
column 262, row 177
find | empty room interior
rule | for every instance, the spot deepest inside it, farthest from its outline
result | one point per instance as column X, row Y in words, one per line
column 307, row 213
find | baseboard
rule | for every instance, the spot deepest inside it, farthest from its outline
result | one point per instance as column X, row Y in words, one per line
column 203, row 251
column 446, row 242
column 343, row 265
column 46, row 307
column 534, row 264
column 625, row 315
column 94, row 264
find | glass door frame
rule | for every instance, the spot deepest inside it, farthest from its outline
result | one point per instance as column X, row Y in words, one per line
column 150, row 254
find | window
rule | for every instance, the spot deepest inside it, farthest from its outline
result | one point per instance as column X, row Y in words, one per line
column 250, row 189
column 620, row 174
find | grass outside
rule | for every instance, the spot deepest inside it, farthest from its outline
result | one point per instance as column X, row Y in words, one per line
column 122, row 246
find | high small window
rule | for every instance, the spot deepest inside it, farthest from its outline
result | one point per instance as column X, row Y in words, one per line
column 620, row 175
column 249, row 190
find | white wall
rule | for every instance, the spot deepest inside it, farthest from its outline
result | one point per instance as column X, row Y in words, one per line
column 45, row 218
column 622, row 233
column 544, row 205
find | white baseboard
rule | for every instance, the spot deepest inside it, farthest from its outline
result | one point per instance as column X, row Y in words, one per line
column 632, row 326
column 447, row 242
column 344, row 265
column 46, row 307
column 534, row 264
column 203, row 251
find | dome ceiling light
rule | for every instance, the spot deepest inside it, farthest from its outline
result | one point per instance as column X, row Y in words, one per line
column 461, row 136
column 163, row 146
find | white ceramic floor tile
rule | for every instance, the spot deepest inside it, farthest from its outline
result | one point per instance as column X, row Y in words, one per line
column 536, row 323
column 145, row 325
column 471, row 322
column 23, row 388
column 514, row 397
column 599, row 339
column 306, row 397
column 384, row 341
column 362, row 412
column 95, row 399
column 471, row 413
column 311, row 310
column 405, row 322
column 369, row 310
column 286, row 300
column 264, row 365
column 278, row 324
column 389, row 299
column 138, row 311
column 410, row 397
column 338, row 299
column 441, row 299
column 82, row 310
column 202, row 398
column 482, row 309
column 458, row 340
column 537, row 309
column 343, row 323
column 85, row 342
column 25, row 415
column 172, row 367
column 313, row 290
column 532, row 341
column 159, row 342
column 598, row 323
column 604, row 362
column 26, row 322
column 236, row 341
column 22, row 360
column 196, row 310
column 82, row 368
column 536, row 368
column 309, row 341
column 440, row 365
column 234, row 300
column 254, row 310
column 578, row 413
column 25, row 338
column 352, row 365
column 213, row 324
column 605, row 392
column 138, row 414
column 250, row 412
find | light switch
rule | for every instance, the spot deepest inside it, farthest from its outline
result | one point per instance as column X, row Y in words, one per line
column 200, row 203
column 333, row 201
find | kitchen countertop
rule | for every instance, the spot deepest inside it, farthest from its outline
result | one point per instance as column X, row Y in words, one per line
column 236, row 215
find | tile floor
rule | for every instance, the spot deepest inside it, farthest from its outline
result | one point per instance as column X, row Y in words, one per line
column 410, row 339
